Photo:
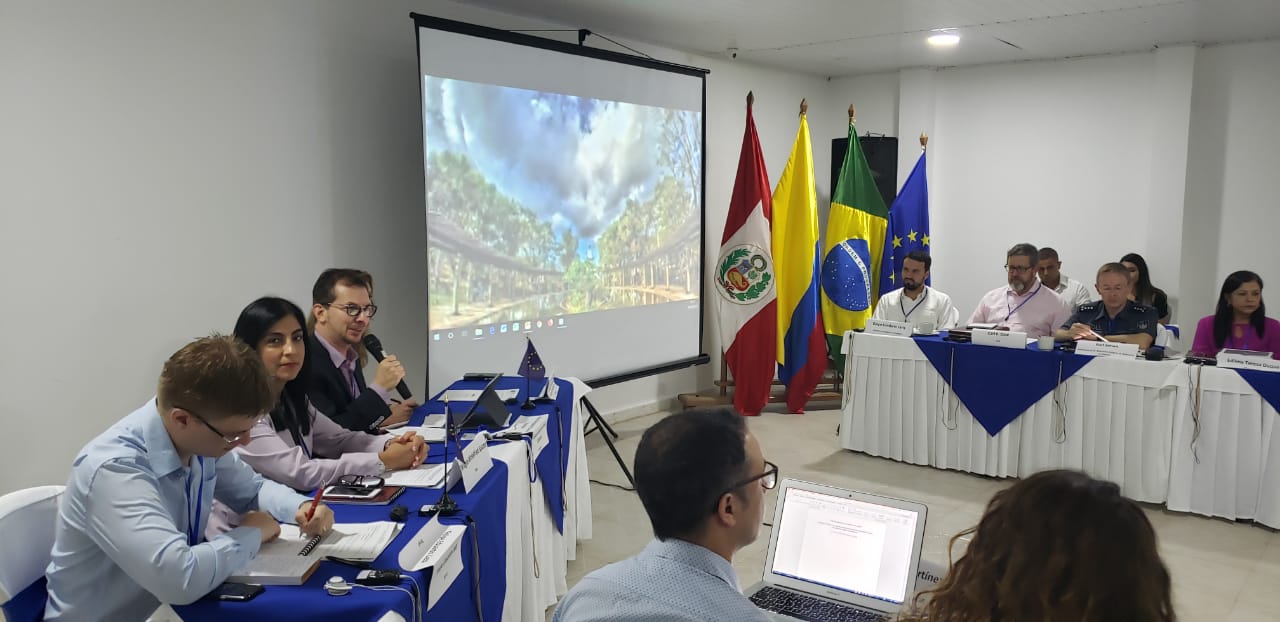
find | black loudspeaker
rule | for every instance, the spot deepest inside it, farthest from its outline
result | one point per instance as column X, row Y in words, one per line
column 882, row 158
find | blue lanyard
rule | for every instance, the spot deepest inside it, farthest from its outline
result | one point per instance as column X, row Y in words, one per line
column 1028, row 299
column 193, row 517
column 907, row 314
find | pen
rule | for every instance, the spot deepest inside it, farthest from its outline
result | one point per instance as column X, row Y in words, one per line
column 314, row 503
column 1100, row 337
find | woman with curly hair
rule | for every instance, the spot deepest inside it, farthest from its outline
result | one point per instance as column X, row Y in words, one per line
column 1058, row 546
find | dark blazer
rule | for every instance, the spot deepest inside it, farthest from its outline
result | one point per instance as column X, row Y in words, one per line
column 330, row 394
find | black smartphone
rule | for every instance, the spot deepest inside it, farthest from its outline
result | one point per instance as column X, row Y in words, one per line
column 236, row 592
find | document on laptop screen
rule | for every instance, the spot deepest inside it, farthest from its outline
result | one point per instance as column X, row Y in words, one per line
column 846, row 544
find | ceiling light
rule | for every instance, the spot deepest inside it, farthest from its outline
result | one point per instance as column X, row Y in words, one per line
column 944, row 37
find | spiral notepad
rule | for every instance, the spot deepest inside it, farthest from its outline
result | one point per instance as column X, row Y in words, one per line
column 310, row 545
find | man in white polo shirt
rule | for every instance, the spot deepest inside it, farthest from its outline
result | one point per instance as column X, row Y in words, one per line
column 1073, row 292
column 924, row 308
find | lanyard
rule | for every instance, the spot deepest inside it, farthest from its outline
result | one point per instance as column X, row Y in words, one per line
column 907, row 314
column 295, row 426
column 193, row 517
column 1028, row 299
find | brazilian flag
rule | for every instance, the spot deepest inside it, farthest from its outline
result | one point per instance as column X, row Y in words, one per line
column 852, row 249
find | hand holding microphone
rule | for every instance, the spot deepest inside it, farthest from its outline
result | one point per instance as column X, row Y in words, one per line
column 390, row 372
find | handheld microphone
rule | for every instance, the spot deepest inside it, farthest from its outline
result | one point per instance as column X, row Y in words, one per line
column 374, row 346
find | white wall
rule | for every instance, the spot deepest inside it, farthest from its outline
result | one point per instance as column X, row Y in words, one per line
column 1169, row 154
column 167, row 163
column 1232, row 182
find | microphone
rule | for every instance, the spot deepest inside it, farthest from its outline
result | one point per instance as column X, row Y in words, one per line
column 374, row 346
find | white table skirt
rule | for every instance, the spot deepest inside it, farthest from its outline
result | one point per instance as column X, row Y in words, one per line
column 537, row 552
column 1113, row 419
column 1231, row 468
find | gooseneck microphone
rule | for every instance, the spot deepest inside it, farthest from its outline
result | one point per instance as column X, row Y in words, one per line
column 374, row 346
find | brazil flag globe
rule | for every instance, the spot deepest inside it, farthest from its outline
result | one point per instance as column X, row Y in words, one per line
column 846, row 278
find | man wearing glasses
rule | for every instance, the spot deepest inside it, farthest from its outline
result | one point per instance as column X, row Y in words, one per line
column 130, row 527
column 1025, row 305
column 702, row 479
column 341, row 309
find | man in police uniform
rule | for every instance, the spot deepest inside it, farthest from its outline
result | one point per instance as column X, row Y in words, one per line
column 1114, row 317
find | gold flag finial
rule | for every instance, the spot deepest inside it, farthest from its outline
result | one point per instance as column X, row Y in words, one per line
column 804, row 106
column 751, row 99
column 924, row 141
column 850, row 114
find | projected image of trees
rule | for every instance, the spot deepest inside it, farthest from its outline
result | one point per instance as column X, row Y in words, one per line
column 542, row 204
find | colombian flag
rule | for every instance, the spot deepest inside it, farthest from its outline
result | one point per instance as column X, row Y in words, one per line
column 854, row 244
column 802, row 349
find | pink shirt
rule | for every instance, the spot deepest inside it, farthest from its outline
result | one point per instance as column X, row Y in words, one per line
column 1268, row 342
column 1037, row 313
column 346, row 363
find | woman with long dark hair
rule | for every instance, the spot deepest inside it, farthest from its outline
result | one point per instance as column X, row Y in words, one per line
column 1143, row 291
column 298, row 446
column 1058, row 546
column 1240, row 321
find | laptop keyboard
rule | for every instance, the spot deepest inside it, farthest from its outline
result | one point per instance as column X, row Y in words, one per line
column 805, row 607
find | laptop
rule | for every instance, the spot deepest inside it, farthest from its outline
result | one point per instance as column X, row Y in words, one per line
column 488, row 410
column 837, row 554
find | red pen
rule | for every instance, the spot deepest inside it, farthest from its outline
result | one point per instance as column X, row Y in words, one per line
column 314, row 503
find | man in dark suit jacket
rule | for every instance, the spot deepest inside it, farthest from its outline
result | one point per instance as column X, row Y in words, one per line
column 342, row 306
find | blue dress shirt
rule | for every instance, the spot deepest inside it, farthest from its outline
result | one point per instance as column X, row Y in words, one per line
column 668, row 581
column 129, row 527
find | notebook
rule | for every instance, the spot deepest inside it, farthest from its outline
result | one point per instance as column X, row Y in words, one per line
column 292, row 557
column 837, row 554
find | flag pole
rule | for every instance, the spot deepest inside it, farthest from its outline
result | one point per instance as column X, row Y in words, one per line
column 924, row 141
column 850, row 114
column 804, row 107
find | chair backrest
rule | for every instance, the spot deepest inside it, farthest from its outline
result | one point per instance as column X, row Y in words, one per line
column 27, row 519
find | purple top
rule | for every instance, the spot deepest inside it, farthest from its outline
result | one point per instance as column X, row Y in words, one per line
column 1268, row 342
column 346, row 364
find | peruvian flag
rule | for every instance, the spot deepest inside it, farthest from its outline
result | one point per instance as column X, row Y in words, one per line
column 744, row 278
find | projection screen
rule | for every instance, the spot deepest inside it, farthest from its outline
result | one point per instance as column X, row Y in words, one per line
column 564, row 204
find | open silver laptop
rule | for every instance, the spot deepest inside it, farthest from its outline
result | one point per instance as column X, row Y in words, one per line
column 837, row 554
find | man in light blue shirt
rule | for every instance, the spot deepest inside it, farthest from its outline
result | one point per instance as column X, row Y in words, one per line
column 701, row 477
column 130, row 527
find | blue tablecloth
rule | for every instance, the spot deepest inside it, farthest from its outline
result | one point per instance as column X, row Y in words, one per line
column 552, row 464
column 998, row 384
column 486, row 504
column 1266, row 383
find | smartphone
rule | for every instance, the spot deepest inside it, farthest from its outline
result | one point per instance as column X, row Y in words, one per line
column 236, row 592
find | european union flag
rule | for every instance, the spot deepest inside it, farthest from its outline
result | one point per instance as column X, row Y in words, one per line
column 908, row 227
column 531, row 366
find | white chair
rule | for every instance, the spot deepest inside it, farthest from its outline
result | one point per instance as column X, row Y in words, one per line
column 27, row 519
column 391, row 616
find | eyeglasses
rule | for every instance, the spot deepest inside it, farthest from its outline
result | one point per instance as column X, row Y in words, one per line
column 361, row 481
column 230, row 440
column 354, row 310
column 1018, row 268
column 768, row 479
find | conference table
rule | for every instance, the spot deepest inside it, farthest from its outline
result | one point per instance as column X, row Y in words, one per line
column 523, row 518
column 1226, row 459
column 1010, row 413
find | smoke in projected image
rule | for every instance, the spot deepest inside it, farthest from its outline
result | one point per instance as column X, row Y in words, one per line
column 543, row 204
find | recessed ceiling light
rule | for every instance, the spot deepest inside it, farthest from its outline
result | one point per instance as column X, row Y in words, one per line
column 944, row 37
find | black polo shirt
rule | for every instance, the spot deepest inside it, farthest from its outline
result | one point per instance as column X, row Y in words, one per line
column 1134, row 318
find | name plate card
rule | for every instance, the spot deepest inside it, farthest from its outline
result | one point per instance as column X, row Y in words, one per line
column 1256, row 362
column 475, row 461
column 1000, row 339
column 1107, row 348
column 888, row 327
